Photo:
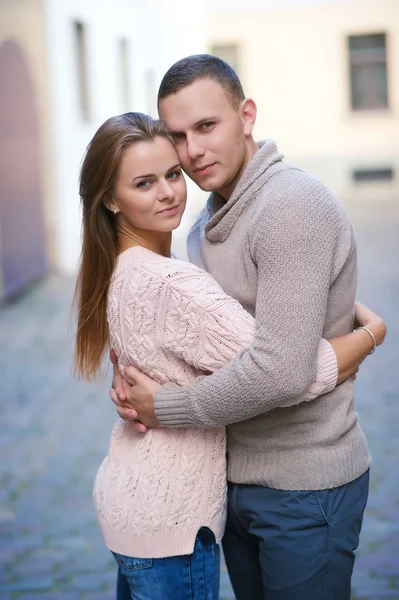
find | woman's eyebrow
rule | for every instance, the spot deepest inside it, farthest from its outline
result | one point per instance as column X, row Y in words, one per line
column 142, row 176
column 153, row 174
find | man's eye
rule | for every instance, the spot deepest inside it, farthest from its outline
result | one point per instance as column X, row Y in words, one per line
column 207, row 125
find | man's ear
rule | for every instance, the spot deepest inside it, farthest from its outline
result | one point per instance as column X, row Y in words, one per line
column 248, row 112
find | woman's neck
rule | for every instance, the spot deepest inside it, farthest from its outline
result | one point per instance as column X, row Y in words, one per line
column 158, row 242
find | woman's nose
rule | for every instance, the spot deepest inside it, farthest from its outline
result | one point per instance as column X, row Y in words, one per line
column 167, row 192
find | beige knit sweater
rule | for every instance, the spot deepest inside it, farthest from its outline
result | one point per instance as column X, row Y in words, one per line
column 285, row 248
column 173, row 321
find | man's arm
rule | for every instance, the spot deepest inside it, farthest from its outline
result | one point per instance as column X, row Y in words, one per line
column 293, row 247
column 350, row 350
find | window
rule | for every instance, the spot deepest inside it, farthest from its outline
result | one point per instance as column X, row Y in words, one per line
column 376, row 174
column 81, row 67
column 368, row 71
column 228, row 53
column 124, row 72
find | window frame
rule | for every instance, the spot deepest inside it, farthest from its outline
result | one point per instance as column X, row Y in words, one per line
column 363, row 107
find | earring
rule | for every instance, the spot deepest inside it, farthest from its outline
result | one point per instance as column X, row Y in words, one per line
column 114, row 211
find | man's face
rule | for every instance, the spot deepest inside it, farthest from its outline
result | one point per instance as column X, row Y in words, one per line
column 210, row 135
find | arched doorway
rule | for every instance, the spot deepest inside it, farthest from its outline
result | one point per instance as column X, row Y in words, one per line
column 22, row 231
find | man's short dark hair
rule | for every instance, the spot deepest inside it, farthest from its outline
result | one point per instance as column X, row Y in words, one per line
column 201, row 66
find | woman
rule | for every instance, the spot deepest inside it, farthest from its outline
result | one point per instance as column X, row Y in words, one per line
column 161, row 498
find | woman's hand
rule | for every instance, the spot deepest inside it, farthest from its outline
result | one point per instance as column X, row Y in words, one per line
column 364, row 317
column 353, row 348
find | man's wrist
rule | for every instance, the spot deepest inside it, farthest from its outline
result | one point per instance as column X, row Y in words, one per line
column 170, row 406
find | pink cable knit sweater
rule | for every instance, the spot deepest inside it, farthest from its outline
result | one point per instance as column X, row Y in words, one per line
column 173, row 321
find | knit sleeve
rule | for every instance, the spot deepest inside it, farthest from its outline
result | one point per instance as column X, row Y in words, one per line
column 293, row 247
column 206, row 328
column 200, row 323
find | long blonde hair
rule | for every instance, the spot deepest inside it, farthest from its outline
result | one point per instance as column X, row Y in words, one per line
column 100, row 241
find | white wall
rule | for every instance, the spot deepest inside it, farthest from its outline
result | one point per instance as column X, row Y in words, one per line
column 159, row 33
column 294, row 63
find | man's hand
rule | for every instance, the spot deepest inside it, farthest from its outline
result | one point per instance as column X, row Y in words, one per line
column 140, row 391
column 133, row 394
column 118, row 394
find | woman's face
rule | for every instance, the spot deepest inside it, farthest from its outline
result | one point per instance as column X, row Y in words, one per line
column 150, row 190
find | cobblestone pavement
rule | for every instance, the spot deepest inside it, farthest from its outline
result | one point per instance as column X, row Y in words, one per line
column 54, row 432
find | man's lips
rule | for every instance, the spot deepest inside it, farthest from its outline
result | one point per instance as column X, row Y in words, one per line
column 203, row 170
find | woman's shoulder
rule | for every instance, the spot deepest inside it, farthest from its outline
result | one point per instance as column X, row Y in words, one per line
column 176, row 273
column 141, row 266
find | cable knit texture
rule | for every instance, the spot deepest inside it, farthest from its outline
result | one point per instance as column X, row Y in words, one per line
column 172, row 320
column 284, row 247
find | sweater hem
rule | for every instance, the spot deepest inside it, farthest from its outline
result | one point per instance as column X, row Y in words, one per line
column 162, row 544
column 299, row 470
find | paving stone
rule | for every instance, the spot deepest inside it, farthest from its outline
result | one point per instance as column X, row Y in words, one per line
column 32, row 566
column 100, row 596
column 49, row 596
column 88, row 582
column 28, row 584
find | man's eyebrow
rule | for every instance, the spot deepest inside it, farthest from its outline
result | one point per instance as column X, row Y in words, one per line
column 177, row 165
column 196, row 124
column 204, row 120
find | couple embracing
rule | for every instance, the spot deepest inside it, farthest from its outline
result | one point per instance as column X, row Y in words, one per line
column 241, row 361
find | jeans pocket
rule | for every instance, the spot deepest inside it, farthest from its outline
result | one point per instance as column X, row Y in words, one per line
column 325, row 503
column 129, row 563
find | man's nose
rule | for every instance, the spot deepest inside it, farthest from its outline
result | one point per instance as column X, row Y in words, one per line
column 194, row 148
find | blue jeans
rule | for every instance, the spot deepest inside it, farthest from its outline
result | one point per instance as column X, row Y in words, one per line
column 286, row 545
column 189, row 577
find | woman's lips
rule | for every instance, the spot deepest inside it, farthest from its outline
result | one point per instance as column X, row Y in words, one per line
column 169, row 211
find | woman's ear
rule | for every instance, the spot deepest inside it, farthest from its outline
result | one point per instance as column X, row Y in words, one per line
column 110, row 205
column 248, row 112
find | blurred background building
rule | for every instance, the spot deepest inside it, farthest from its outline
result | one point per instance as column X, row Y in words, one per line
column 65, row 67
column 324, row 74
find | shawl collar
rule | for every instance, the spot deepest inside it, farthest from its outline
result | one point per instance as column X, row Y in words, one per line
column 223, row 215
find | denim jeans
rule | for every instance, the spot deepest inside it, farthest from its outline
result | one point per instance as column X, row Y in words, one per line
column 288, row 545
column 189, row 577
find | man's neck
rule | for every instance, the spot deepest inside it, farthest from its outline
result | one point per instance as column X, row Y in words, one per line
column 252, row 149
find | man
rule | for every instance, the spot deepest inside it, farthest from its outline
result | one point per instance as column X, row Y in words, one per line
column 276, row 240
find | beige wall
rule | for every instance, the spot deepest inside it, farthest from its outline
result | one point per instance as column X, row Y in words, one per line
column 293, row 62
column 24, row 22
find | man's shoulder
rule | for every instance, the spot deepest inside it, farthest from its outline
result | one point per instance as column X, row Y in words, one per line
column 296, row 191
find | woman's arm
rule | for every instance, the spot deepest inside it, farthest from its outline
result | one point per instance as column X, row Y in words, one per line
column 353, row 348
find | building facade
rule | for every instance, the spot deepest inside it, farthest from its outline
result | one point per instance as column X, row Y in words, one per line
column 325, row 77
column 65, row 67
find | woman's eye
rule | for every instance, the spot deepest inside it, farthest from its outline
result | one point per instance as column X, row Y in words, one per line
column 174, row 175
column 143, row 184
